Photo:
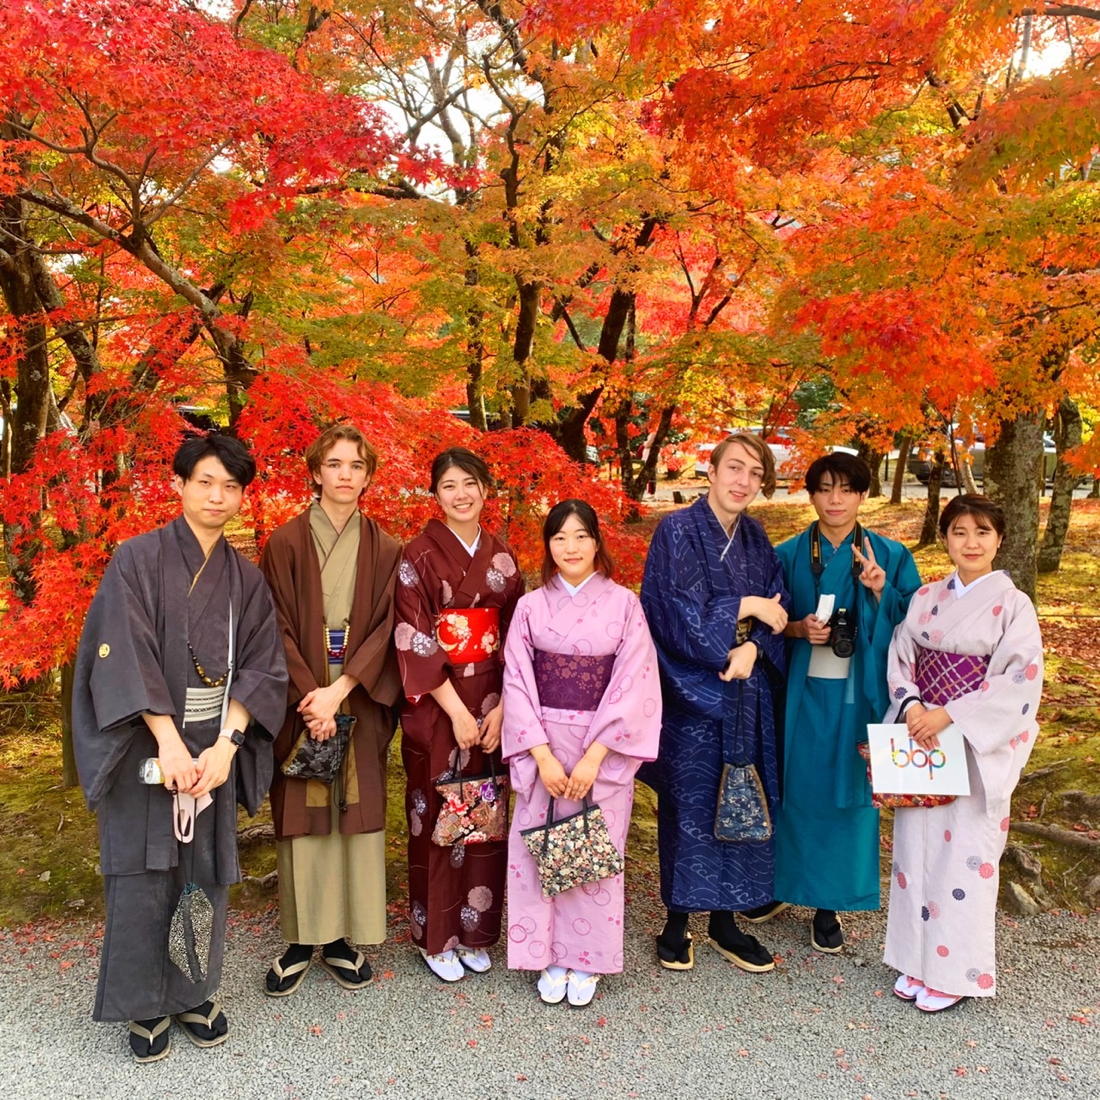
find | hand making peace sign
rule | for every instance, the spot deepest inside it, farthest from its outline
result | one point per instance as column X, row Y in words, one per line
column 872, row 576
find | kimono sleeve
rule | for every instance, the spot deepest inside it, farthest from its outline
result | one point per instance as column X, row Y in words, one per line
column 628, row 718
column 902, row 580
column 118, row 675
column 522, row 728
column 423, row 662
column 770, row 646
column 277, row 564
column 259, row 675
column 1005, row 704
column 373, row 663
column 685, row 620
column 901, row 668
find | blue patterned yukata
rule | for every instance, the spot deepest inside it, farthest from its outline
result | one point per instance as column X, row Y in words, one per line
column 695, row 579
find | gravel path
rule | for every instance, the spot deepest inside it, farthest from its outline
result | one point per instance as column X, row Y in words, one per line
column 819, row 1026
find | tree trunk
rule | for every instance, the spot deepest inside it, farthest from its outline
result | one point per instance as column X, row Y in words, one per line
column 475, row 349
column 1011, row 464
column 29, row 407
column 873, row 459
column 648, row 471
column 1067, row 436
column 930, row 528
column 69, row 778
column 904, row 447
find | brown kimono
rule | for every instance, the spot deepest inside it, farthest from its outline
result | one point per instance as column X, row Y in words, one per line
column 455, row 894
column 332, row 858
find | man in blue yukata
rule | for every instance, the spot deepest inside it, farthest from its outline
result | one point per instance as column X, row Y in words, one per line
column 849, row 589
column 714, row 597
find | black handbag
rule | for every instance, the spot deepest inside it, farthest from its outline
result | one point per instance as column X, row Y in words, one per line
column 742, row 815
column 313, row 759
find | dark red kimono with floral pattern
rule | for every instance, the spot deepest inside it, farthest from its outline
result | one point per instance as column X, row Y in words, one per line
column 455, row 894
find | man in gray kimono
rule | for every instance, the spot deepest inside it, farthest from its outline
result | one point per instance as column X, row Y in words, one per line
column 180, row 662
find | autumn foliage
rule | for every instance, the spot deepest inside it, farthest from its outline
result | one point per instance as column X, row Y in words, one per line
column 588, row 223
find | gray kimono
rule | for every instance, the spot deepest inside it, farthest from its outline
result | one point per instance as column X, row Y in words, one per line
column 155, row 598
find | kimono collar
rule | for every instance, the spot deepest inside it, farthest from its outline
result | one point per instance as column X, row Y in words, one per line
column 470, row 548
column 961, row 589
column 573, row 589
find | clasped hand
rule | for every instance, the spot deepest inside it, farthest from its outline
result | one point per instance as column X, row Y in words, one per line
column 318, row 708
column 574, row 786
column 925, row 725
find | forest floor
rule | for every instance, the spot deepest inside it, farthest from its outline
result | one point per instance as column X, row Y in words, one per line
column 49, row 849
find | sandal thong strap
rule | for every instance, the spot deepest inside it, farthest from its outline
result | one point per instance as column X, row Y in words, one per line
column 282, row 972
column 197, row 1017
column 150, row 1034
column 351, row 965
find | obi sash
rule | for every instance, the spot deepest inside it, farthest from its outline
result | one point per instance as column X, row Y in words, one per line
column 942, row 676
column 469, row 634
column 571, row 681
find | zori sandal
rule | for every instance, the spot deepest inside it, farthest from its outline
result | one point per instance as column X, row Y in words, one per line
column 206, row 1025
column 150, row 1044
column 351, row 973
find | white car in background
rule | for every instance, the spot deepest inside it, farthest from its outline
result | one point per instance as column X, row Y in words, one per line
column 780, row 445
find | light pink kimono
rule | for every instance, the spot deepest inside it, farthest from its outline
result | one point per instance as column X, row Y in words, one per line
column 943, row 889
column 583, row 927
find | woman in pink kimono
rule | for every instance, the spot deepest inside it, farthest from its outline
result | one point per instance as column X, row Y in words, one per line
column 969, row 652
column 582, row 711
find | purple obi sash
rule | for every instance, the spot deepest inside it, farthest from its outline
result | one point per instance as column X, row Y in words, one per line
column 571, row 681
column 942, row 677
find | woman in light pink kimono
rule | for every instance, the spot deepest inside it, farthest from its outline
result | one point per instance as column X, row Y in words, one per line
column 582, row 711
column 968, row 652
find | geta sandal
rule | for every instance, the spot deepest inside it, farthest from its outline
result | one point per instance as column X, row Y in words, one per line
column 676, row 958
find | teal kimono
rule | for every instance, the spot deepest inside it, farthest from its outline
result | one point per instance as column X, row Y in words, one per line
column 827, row 832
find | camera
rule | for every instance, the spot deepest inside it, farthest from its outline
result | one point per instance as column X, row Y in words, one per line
column 842, row 632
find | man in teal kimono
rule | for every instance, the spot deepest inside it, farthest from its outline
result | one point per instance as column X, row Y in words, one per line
column 827, row 832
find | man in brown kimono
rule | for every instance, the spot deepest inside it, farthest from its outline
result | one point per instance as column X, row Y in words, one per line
column 180, row 663
column 332, row 572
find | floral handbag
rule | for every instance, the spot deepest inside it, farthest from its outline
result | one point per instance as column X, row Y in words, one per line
column 900, row 801
column 474, row 810
column 311, row 759
column 573, row 850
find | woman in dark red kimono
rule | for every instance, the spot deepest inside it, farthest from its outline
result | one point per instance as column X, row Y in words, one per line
column 458, row 587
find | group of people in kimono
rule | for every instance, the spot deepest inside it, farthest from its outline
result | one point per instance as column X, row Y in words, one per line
column 198, row 674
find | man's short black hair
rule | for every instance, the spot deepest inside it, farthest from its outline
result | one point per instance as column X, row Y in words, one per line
column 844, row 467
column 230, row 452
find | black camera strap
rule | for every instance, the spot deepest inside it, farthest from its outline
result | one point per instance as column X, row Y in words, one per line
column 817, row 566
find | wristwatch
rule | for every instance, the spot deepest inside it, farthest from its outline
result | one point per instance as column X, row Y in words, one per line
column 234, row 735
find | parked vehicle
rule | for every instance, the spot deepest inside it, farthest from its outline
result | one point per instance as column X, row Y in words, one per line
column 920, row 460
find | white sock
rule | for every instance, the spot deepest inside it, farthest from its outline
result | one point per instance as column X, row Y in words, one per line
column 556, row 971
column 581, row 975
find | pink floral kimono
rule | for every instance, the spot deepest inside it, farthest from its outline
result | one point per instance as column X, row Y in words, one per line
column 578, row 669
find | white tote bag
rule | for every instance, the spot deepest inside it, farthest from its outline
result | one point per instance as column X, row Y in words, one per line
column 900, row 766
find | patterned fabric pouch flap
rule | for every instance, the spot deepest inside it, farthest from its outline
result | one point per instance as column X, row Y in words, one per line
column 474, row 810
column 574, row 850
column 742, row 815
column 900, row 801
column 311, row 759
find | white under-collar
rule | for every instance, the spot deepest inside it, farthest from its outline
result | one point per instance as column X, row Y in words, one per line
column 962, row 589
column 470, row 549
column 574, row 589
